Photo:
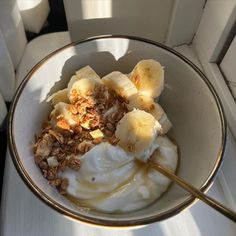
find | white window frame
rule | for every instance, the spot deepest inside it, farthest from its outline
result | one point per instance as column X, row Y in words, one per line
column 217, row 21
column 209, row 42
column 185, row 18
column 227, row 64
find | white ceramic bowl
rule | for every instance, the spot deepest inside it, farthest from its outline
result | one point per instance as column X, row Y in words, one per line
column 189, row 100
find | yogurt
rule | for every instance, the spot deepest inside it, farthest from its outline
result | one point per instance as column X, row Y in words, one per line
column 112, row 180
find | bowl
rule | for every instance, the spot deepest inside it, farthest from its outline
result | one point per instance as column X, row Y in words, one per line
column 190, row 102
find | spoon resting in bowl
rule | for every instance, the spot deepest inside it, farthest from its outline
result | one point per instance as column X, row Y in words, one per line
column 195, row 192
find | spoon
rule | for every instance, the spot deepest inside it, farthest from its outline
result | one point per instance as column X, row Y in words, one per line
column 195, row 192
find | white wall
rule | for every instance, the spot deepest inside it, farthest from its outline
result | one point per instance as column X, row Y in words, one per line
column 173, row 22
column 149, row 19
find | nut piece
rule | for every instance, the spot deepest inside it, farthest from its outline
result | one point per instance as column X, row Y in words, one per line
column 58, row 136
column 38, row 159
column 55, row 151
column 52, row 161
column 63, row 124
column 44, row 146
column 108, row 133
column 113, row 140
column 84, row 147
column 86, row 124
column 63, row 186
column 96, row 134
column 55, row 182
column 110, row 126
column 97, row 140
column 51, row 173
column 73, row 163
column 43, row 165
column 62, row 165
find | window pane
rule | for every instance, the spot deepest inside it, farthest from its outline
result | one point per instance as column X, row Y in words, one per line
column 228, row 67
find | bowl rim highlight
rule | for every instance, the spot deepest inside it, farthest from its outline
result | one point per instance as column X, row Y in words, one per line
column 93, row 220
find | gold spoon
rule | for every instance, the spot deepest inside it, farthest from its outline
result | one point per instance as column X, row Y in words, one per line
column 195, row 192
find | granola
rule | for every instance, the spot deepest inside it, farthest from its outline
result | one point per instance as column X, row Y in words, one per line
column 93, row 119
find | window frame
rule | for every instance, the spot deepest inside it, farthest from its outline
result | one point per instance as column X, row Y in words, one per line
column 209, row 43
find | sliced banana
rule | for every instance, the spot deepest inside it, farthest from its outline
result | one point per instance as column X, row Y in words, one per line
column 85, row 72
column 83, row 87
column 147, row 104
column 59, row 96
column 61, row 112
column 88, row 72
column 137, row 131
column 119, row 83
column 83, row 83
column 148, row 77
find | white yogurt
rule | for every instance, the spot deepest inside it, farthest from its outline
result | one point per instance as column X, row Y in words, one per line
column 111, row 179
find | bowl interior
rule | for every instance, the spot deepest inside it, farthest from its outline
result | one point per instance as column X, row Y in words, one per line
column 187, row 100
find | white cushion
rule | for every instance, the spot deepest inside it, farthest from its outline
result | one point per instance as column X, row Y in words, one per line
column 12, row 29
column 34, row 13
column 37, row 49
column 7, row 73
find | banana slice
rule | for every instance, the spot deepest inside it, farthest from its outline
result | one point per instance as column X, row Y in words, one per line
column 61, row 116
column 148, row 77
column 147, row 104
column 120, row 83
column 83, row 87
column 137, row 130
column 85, row 72
column 83, row 83
column 59, row 96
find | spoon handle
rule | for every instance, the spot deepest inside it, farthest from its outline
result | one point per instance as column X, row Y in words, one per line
column 195, row 192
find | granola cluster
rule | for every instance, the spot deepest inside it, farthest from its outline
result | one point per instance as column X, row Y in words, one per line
column 60, row 144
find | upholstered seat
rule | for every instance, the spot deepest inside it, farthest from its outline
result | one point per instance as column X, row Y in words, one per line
column 37, row 49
